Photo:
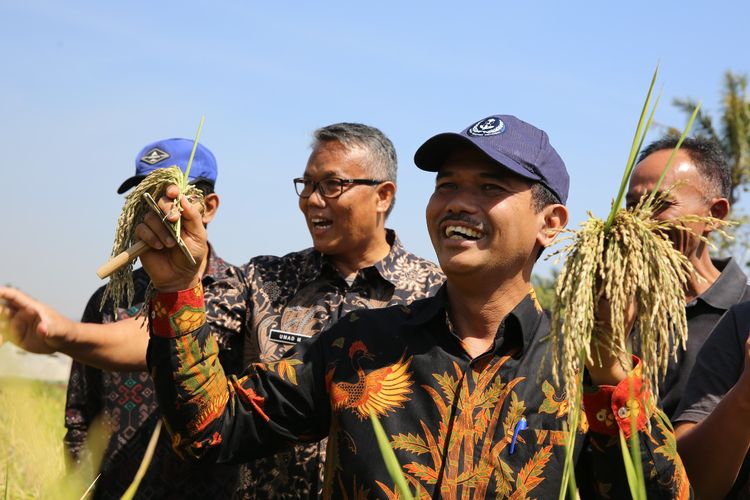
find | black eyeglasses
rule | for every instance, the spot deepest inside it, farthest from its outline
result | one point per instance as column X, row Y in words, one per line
column 333, row 187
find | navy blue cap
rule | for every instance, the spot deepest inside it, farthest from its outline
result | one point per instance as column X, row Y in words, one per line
column 169, row 152
column 516, row 145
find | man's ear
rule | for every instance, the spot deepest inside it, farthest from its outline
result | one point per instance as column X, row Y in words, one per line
column 554, row 219
column 212, row 205
column 719, row 208
column 386, row 193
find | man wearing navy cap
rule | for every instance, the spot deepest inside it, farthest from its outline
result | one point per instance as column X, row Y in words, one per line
column 127, row 399
column 460, row 381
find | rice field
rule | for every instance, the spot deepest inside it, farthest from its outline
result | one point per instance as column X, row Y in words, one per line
column 31, row 432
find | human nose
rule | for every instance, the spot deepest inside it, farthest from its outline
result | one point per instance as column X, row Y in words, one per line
column 316, row 198
column 461, row 200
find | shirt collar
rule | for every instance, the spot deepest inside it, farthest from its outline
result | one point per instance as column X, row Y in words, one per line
column 728, row 288
column 391, row 267
column 388, row 268
column 524, row 318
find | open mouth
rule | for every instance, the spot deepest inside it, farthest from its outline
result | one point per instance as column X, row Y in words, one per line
column 319, row 223
column 456, row 232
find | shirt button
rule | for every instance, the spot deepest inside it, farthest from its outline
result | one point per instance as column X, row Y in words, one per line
column 622, row 412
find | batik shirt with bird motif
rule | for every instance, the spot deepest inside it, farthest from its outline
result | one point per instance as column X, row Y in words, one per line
column 274, row 302
column 491, row 426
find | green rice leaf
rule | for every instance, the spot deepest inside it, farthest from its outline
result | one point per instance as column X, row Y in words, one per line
column 627, row 459
column 569, row 476
column 185, row 176
column 183, row 187
column 389, row 457
column 647, row 127
column 91, row 487
column 640, row 132
column 639, row 482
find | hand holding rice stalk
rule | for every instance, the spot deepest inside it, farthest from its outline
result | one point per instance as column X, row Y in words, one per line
column 611, row 265
column 125, row 248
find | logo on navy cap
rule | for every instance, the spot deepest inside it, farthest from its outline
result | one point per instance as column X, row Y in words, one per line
column 154, row 156
column 489, row 126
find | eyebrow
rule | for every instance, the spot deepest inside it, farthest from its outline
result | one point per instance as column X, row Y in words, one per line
column 325, row 175
column 637, row 198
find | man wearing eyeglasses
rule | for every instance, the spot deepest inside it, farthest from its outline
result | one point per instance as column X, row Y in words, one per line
column 345, row 193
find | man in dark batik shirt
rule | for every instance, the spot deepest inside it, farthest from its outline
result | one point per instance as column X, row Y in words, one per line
column 346, row 193
column 460, row 382
column 700, row 182
column 127, row 399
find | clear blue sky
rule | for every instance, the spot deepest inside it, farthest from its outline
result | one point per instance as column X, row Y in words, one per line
column 86, row 84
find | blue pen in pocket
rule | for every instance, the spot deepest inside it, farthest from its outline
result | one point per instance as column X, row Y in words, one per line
column 520, row 426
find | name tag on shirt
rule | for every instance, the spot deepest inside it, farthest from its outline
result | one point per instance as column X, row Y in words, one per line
column 282, row 337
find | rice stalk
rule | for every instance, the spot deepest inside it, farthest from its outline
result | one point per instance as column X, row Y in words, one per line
column 120, row 286
column 634, row 261
column 614, row 264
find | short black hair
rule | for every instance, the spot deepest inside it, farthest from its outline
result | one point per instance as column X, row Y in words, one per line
column 542, row 196
column 206, row 187
column 708, row 157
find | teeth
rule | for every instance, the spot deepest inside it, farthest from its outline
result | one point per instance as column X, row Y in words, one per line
column 458, row 232
column 320, row 222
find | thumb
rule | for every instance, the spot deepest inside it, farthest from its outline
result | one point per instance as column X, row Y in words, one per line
column 192, row 220
column 42, row 327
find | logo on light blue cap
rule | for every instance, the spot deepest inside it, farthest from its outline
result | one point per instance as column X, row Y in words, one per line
column 489, row 126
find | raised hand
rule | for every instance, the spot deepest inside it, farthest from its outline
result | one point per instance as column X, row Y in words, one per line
column 30, row 324
column 165, row 263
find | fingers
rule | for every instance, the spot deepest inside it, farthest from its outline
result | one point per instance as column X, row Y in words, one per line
column 153, row 232
column 189, row 212
column 30, row 324
column 18, row 311
column 192, row 218
column 15, row 299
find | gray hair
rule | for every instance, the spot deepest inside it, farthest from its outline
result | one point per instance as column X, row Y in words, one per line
column 382, row 161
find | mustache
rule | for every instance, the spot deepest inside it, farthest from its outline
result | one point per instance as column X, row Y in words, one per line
column 461, row 217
